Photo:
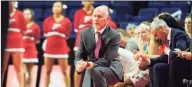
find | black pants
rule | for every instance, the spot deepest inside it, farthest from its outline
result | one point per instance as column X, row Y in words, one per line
column 159, row 75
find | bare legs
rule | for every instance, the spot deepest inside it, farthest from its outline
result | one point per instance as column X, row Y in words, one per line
column 63, row 62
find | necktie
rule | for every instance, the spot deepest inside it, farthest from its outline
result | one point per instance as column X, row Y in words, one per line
column 168, row 59
column 98, row 45
column 168, row 55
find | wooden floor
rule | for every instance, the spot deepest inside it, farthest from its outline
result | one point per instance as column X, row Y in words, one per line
column 12, row 78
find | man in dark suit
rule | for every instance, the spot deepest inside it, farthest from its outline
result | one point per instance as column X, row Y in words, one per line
column 98, row 51
column 168, row 70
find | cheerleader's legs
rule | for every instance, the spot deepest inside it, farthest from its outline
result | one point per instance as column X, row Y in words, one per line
column 48, row 64
column 28, row 70
column 63, row 62
column 5, row 63
column 17, row 57
column 77, row 79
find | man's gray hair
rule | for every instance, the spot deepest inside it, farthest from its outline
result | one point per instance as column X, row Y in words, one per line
column 158, row 23
column 104, row 9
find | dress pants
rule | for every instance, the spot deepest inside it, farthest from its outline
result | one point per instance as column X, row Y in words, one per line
column 100, row 76
column 159, row 75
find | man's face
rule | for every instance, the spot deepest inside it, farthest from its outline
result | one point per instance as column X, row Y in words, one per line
column 188, row 25
column 99, row 20
column 159, row 34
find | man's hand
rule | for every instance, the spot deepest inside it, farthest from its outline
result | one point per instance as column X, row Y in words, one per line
column 90, row 65
column 81, row 65
column 143, row 63
column 138, row 55
column 184, row 55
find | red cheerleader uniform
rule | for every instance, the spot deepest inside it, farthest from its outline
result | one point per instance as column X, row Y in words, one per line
column 56, row 45
column 17, row 26
column 112, row 24
column 31, row 37
column 82, row 20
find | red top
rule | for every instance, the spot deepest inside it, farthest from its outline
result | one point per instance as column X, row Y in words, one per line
column 65, row 28
column 18, row 21
column 56, row 37
column 112, row 24
column 17, row 27
column 81, row 19
column 31, row 37
column 33, row 31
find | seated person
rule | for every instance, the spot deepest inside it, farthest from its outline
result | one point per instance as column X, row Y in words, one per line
column 129, row 43
column 168, row 69
column 188, row 25
column 132, row 75
column 130, row 29
column 142, row 34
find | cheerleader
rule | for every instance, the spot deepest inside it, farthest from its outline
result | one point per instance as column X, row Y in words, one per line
column 57, row 29
column 82, row 20
column 31, row 37
column 14, row 44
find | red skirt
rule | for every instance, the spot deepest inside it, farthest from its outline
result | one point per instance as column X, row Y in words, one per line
column 56, row 47
column 30, row 54
column 14, row 42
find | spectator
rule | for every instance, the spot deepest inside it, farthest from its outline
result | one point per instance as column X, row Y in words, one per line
column 188, row 24
column 130, row 29
column 130, row 43
column 187, row 54
column 142, row 34
column 132, row 75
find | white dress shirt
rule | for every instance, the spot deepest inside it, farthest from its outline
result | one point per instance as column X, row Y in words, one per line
column 101, row 31
column 169, row 39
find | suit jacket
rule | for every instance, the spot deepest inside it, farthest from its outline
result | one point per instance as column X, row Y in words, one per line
column 108, row 54
column 178, row 68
